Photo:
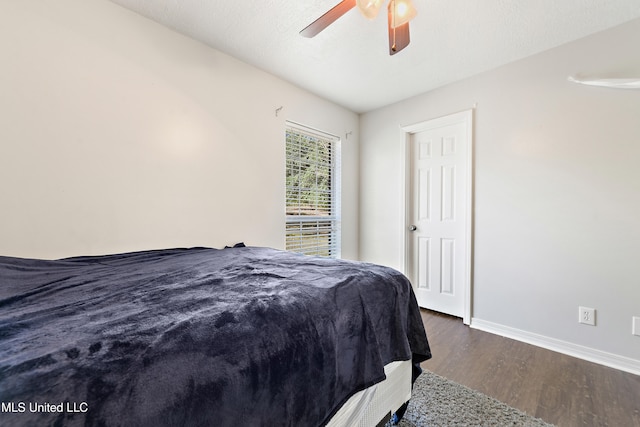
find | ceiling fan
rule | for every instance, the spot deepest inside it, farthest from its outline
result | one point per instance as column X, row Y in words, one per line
column 399, row 13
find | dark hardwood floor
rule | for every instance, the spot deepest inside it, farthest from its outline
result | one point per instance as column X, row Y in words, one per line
column 559, row 389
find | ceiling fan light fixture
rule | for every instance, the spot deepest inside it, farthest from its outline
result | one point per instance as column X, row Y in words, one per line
column 399, row 13
column 402, row 12
column 369, row 8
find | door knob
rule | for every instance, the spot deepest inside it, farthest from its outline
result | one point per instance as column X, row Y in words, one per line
column 412, row 228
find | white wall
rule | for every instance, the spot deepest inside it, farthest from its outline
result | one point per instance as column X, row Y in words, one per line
column 557, row 193
column 117, row 134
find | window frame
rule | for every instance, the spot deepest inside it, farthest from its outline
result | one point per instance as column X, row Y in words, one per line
column 302, row 230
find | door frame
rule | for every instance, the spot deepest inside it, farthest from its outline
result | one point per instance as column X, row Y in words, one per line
column 466, row 117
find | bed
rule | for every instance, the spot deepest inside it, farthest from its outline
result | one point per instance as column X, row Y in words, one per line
column 241, row 336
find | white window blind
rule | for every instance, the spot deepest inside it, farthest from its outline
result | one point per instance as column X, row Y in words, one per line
column 312, row 192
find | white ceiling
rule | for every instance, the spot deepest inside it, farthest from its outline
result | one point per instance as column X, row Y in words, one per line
column 348, row 63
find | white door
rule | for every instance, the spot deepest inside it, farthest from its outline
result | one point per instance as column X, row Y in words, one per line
column 439, row 226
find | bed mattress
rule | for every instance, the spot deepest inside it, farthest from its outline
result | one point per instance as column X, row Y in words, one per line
column 240, row 336
column 368, row 407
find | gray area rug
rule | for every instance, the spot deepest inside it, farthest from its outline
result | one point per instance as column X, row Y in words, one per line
column 436, row 401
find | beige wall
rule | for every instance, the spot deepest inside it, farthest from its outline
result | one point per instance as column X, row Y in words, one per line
column 117, row 134
column 557, row 193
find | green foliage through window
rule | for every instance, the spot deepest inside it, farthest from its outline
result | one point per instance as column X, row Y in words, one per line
column 312, row 206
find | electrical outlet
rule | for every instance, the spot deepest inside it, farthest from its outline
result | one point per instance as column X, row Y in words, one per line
column 587, row 315
column 635, row 328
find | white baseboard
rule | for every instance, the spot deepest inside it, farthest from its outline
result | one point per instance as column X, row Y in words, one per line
column 592, row 355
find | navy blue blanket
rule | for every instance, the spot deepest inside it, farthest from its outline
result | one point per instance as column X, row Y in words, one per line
column 197, row 337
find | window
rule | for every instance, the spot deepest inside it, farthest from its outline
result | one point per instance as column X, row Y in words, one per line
column 313, row 192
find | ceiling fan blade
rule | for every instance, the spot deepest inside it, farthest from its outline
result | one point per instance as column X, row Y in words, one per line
column 398, row 37
column 328, row 18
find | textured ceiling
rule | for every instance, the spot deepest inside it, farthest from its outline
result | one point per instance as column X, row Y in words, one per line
column 349, row 64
